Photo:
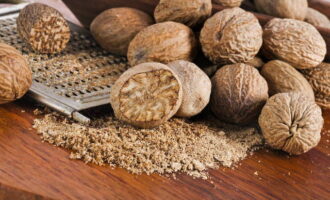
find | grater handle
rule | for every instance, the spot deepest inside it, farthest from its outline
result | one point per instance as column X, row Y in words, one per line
column 80, row 117
column 57, row 105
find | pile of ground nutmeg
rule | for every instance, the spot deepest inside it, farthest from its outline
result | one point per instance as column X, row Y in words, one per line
column 178, row 145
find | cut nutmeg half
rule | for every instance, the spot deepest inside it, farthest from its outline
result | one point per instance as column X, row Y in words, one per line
column 291, row 122
column 146, row 95
column 43, row 28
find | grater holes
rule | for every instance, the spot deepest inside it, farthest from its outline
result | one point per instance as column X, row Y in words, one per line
column 91, row 74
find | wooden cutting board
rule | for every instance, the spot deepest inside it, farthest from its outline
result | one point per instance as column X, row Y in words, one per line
column 30, row 169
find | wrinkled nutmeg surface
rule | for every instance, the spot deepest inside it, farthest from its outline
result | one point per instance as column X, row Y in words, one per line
column 316, row 18
column 43, row 28
column 228, row 3
column 319, row 78
column 146, row 95
column 282, row 77
column 196, row 86
column 115, row 28
column 295, row 42
column 15, row 74
column 231, row 36
column 291, row 122
column 188, row 12
column 163, row 42
column 256, row 62
column 238, row 93
column 293, row 9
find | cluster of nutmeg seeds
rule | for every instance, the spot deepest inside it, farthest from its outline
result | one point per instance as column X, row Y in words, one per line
column 45, row 31
column 164, row 82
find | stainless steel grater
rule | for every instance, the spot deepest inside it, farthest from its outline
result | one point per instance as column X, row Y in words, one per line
column 76, row 79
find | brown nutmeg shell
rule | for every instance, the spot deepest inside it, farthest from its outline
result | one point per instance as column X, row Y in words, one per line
column 282, row 77
column 188, row 12
column 291, row 122
column 163, row 42
column 319, row 78
column 295, row 42
column 115, row 28
column 238, row 93
column 15, row 74
column 231, row 36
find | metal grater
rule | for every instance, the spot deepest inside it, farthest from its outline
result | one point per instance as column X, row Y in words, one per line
column 76, row 79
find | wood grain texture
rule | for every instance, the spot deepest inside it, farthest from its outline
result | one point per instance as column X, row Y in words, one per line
column 86, row 12
column 32, row 167
column 7, row 192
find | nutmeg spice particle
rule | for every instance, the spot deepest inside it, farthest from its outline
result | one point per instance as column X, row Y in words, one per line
column 178, row 145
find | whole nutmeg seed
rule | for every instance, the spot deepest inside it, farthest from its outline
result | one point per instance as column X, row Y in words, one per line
column 316, row 18
column 255, row 62
column 231, row 36
column 188, row 12
column 282, row 77
column 43, row 28
column 228, row 3
column 319, row 78
column 115, row 28
column 293, row 9
column 146, row 95
column 238, row 93
column 295, row 42
column 15, row 74
column 196, row 86
column 163, row 42
column 291, row 122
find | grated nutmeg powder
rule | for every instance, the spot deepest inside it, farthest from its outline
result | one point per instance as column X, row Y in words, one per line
column 179, row 145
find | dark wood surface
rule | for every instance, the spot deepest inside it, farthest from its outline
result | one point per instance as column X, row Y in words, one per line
column 86, row 12
column 36, row 170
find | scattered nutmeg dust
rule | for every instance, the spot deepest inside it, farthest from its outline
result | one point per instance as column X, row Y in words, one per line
column 178, row 145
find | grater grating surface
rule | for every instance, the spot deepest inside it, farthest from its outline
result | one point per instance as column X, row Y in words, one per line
column 78, row 78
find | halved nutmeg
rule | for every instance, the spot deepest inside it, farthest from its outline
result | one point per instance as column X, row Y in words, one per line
column 146, row 95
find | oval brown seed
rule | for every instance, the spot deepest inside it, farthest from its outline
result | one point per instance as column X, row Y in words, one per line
column 238, row 93
column 291, row 122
